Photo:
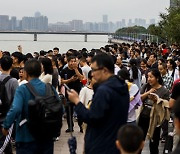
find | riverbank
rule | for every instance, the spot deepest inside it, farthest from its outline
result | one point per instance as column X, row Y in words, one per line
column 117, row 41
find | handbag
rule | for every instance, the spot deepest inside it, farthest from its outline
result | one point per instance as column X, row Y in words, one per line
column 147, row 106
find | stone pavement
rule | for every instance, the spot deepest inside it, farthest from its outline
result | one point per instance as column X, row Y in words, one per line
column 61, row 146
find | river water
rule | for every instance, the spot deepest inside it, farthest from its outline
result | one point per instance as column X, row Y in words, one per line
column 9, row 42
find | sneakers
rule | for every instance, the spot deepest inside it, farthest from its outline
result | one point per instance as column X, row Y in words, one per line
column 68, row 130
column 57, row 139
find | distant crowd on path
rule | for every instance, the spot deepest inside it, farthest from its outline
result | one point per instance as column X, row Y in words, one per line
column 134, row 83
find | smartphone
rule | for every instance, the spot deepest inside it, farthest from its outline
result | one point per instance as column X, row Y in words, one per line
column 65, row 85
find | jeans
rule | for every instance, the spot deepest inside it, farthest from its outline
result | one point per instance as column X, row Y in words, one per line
column 46, row 147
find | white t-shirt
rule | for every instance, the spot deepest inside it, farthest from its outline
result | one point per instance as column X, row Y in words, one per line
column 46, row 78
column 86, row 95
column 85, row 69
column 116, row 69
column 176, row 74
column 22, row 82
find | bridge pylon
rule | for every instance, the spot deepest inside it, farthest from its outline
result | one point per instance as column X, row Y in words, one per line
column 35, row 36
column 85, row 38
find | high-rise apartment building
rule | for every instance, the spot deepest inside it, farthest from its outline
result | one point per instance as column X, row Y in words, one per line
column 77, row 25
column 105, row 18
column 39, row 23
column 88, row 27
column 28, row 24
column 37, row 14
column 123, row 22
column 4, row 22
column 13, row 23
column 130, row 23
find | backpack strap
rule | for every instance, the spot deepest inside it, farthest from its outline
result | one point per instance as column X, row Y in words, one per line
column 6, row 79
column 50, row 90
column 31, row 89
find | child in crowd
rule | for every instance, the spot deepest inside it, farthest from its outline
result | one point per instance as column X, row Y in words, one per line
column 130, row 139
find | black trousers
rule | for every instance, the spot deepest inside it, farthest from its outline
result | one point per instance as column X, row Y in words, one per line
column 46, row 147
column 154, row 142
column 164, row 129
column 69, row 108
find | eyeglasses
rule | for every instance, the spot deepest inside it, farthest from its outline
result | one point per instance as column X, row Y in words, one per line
column 95, row 69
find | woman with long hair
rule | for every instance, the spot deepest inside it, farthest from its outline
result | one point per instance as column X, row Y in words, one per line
column 134, row 93
column 135, row 73
column 144, row 70
column 155, row 97
column 47, row 70
column 172, row 70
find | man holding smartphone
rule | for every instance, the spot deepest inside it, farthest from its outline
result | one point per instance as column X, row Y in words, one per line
column 71, row 76
column 109, row 108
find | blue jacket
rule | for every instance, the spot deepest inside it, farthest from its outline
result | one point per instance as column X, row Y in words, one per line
column 19, row 106
column 107, row 113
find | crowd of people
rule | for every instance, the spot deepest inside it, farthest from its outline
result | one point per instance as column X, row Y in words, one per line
column 121, row 94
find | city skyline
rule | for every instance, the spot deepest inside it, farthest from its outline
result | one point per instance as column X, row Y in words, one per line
column 89, row 10
column 104, row 18
column 39, row 22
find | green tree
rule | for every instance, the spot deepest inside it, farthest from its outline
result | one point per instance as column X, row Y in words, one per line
column 169, row 25
column 154, row 30
column 134, row 29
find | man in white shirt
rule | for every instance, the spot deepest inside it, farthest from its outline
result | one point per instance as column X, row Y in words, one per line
column 84, row 67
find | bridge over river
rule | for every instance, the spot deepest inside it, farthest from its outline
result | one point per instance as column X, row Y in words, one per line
column 64, row 33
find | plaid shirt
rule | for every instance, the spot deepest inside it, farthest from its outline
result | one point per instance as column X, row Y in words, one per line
column 168, row 81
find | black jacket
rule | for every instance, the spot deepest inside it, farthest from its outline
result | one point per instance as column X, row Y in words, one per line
column 108, row 112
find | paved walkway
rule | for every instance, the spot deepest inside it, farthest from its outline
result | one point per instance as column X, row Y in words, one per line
column 61, row 146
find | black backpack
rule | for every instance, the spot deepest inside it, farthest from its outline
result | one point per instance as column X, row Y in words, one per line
column 44, row 114
column 5, row 103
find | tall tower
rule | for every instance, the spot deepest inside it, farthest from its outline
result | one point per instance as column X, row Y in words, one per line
column 37, row 14
column 105, row 18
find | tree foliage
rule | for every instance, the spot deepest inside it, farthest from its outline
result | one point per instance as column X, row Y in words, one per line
column 169, row 25
column 134, row 29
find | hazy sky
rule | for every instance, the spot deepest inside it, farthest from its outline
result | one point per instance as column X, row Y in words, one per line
column 87, row 10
